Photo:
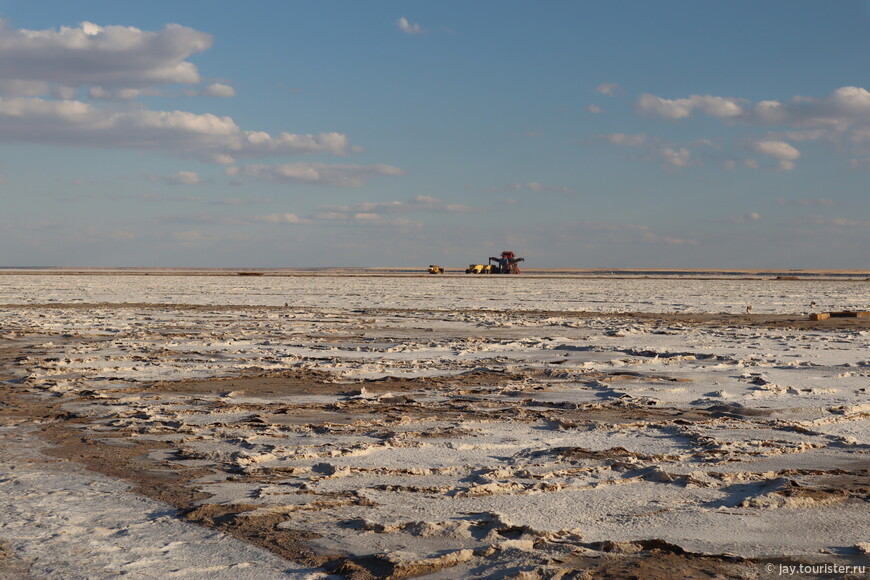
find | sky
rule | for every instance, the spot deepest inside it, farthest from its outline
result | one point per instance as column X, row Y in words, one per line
column 269, row 134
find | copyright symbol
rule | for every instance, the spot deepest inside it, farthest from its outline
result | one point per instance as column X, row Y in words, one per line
column 769, row 568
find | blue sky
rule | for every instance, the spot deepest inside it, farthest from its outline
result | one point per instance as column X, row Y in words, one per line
column 293, row 134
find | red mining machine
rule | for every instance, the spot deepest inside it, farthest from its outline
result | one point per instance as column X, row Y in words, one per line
column 507, row 264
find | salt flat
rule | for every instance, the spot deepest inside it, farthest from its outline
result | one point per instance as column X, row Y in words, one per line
column 451, row 426
column 565, row 293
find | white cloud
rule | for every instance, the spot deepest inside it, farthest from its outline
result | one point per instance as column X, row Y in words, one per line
column 369, row 207
column 742, row 219
column 189, row 236
column 842, row 119
column 281, row 218
column 653, row 238
column 654, row 106
column 844, row 107
column 623, row 139
column 535, row 186
column 723, row 107
column 822, row 201
column 607, row 89
column 22, row 88
column 676, row 157
column 183, row 178
column 769, row 112
column 99, row 93
column 668, row 155
column 594, row 109
column 366, row 219
column 331, row 215
column 236, row 201
column 860, row 163
column 785, row 153
column 112, row 57
column 805, row 135
column 218, row 90
column 835, row 223
column 64, row 93
column 859, row 136
column 203, row 136
column 44, row 72
column 315, row 173
column 408, row 27
column 201, row 219
column 420, row 203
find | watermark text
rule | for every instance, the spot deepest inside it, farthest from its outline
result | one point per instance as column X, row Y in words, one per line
column 814, row 569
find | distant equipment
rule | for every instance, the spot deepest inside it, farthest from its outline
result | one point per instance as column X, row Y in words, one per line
column 506, row 264
column 433, row 269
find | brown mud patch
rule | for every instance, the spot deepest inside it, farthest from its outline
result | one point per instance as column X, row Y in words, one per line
column 312, row 382
column 654, row 560
column 826, row 487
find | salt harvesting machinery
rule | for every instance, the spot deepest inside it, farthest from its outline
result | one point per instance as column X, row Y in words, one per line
column 506, row 264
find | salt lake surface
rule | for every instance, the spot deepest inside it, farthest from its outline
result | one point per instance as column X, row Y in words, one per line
column 567, row 293
column 467, row 425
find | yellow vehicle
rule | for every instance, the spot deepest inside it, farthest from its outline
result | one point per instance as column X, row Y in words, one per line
column 433, row 269
column 480, row 269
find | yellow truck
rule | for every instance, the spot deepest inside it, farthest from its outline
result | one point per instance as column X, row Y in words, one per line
column 479, row 269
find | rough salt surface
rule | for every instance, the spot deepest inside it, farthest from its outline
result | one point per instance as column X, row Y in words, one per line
column 790, row 401
column 70, row 523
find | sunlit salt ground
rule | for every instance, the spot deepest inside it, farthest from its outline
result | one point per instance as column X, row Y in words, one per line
column 443, row 472
column 447, row 292
column 74, row 525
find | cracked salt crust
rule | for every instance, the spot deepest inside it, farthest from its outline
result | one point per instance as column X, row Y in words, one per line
column 70, row 523
column 525, row 466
